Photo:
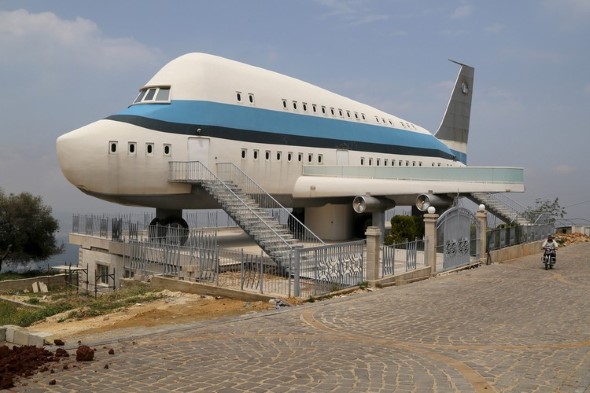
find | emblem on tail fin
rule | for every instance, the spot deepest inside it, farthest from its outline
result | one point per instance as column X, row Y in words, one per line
column 454, row 128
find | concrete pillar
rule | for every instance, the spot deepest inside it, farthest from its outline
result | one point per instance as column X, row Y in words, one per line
column 482, row 222
column 373, row 252
column 430, row 219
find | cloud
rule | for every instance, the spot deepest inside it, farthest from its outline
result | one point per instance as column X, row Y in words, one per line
column 353, row 11
column 495, row 28
column 571, row 13
column 462, row 11
column 43, row 37
column 563, row 169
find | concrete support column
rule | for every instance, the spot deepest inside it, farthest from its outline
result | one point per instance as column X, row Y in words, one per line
column 430, row 238
column 373, row 252
column 482, row 222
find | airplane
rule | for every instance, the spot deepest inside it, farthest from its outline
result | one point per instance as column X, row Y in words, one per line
column 313, row 150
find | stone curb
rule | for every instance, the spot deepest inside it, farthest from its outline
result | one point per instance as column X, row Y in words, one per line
column 17, row 335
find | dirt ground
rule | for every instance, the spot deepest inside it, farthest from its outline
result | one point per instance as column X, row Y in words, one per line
column 174, row 308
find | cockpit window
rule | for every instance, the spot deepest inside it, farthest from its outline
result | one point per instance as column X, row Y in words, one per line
column 150, row 95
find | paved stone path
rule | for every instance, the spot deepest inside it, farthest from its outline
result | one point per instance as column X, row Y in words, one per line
column 510, row 327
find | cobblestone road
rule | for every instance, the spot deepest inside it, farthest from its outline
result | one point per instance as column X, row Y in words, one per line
column 510, row 327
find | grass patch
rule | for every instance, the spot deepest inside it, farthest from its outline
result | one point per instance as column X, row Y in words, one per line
column 81, row 306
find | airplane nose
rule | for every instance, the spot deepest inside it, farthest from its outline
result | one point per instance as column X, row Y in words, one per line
column 78, row 155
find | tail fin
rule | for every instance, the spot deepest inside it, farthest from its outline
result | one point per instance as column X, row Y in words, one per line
column 454, row 128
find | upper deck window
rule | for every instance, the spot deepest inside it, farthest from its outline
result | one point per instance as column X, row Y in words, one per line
column 148, row 95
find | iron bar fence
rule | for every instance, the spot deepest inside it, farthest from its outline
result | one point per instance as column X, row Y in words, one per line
column 134, row 226
column 324, row 269
column 510, row 236
column 402, row 257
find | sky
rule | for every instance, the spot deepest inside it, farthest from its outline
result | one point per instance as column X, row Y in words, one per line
column 67, row 63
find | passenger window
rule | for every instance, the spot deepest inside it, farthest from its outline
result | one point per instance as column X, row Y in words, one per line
column 332, row 110
column 267, row 154
column 167, row 149
column 239, row 96
column 362, row 160
column 378, row 161
column 278, row 156
column 348, row 113
column 131, row 148
column 149, row 149
column 295, row 105
column 320, row 157
column 289, row 156
column 314, row 108
column 305, row 106
column 244, row 151
column 300, row 157
column 385, row 162
column 323, row 109
column 113, row 147
column 255, row 154
column 251, row 98
column 370, row 161
column 284, row 104
column 309, row 157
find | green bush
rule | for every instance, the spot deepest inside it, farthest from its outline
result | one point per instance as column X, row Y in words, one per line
column 405, row 228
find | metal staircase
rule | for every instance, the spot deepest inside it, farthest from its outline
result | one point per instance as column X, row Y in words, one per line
column 248, row 205
column 502, row 207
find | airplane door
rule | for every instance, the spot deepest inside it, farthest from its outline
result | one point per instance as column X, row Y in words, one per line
column 198, row 150
column 342, row 157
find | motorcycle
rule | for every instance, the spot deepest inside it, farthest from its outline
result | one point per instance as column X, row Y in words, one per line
column 549, row 257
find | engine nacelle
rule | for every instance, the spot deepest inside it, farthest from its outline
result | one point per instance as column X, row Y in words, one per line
column 369, row 204
column 424, row 201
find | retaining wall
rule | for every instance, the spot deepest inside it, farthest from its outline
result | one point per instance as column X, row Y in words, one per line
column 513, row 252
column 52, row 282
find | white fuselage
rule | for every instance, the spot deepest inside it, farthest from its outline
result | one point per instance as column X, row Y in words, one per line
column 213, row 110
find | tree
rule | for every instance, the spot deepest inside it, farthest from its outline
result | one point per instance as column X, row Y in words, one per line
column 544, row 211
column 27, row 229
column 405, row 228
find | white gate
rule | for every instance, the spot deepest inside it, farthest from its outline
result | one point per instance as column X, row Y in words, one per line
column 457, row 237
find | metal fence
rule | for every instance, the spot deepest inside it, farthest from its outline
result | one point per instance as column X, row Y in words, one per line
column 324, row 269
column 123, row 227
column 402, row 257
column 510, row 236
column 310, row 271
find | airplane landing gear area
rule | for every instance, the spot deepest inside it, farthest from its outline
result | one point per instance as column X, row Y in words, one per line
column 173, row 230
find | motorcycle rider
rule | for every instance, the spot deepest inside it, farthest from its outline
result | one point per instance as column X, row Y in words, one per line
column 551, row 245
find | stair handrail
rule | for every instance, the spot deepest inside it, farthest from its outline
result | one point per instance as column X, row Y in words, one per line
column 511, row 203
column 516, row 209
column 197, row 171
column 264, row 199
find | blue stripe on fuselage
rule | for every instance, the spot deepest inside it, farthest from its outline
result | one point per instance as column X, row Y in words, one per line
column 302, row 125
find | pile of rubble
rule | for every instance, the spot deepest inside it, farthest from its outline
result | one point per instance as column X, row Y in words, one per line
column 24, row 361
column 565, row 239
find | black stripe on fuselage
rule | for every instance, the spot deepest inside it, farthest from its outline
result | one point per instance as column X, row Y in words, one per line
column 274, row 138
